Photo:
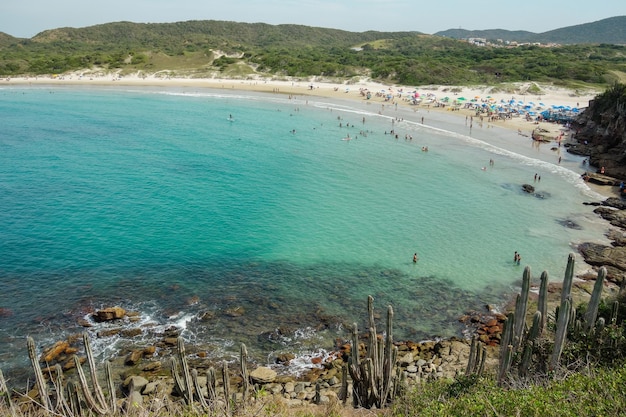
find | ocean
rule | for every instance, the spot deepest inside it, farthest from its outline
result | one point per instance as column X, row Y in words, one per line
column 265, row 219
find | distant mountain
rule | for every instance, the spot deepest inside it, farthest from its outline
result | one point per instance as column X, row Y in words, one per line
column 608, row 31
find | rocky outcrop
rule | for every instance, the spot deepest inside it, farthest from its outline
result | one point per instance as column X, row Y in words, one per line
column 601, row 132
column 612, row 257
column 108, row 314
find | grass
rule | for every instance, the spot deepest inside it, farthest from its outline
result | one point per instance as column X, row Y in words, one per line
column 597, row 392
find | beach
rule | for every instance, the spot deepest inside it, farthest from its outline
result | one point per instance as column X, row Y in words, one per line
column 459, row 100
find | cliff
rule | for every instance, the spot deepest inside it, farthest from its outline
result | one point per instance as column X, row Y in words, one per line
column 601, row 132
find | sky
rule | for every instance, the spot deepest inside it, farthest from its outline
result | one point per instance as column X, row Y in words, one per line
column 26, row 18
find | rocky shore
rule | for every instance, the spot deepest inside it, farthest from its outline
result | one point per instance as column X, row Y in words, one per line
column 143, row 372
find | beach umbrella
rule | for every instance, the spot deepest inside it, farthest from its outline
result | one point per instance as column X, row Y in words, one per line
column 461, row 99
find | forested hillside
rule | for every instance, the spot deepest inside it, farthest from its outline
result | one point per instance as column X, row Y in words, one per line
column 207, row 48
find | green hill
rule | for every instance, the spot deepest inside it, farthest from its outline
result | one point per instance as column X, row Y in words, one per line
column 207, row 48
column 608, row 31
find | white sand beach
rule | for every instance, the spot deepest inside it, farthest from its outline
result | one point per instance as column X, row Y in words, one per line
column 457, row 103
column 431, row 97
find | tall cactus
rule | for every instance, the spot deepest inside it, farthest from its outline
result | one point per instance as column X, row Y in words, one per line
column 42, row 385
column 561, row 332
column 374, row 378
column 96, row 400
column 211, row 384
column 566, row 291
column 5, row 394
column 594, row 302
column 529, row 344
column 226, row 381
column 520, row 309
column 245, row 377
column 542, row 302
column 183, row 382
column 506, row 348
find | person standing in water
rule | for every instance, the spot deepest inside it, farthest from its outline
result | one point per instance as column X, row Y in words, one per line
column 415, row 258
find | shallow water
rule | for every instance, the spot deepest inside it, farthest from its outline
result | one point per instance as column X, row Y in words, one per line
column 271, row 223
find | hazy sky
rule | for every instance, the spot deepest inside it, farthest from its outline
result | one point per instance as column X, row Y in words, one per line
column 26, row 18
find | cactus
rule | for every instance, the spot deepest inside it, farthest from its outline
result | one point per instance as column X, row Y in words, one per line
column 521, row 306
column 6, row 395
column 542, row 302
column 568, row 279
column 226, row 380
column 96, row 401
column 211, row 384
column 373, row 379
column 506, row 347
column 594, row 302
column 343, row 395
column 561, row 332
column 532, row 336
column 61, row 404
column 614, row 312
column 42, row 385
column 75, row 404
column 184, row 383
column 245, row 377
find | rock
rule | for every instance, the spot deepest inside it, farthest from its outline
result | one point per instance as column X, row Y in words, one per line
column 615, row 217
column 53, row 353
column 109, row 332
column 528, row 188
column 600, row 255
column 615, row 202
column 149, row 388
column 135, row 383
column 107, row 314
column 285, row 358
column 131, row 332
column 290, row 387
column 170, row 341
column 134, row 401
column 235, row 311
column 406, row 359
column 151, row 366
column 5, row 312
column 570, row 224
column 133, row 357
column 84, row 323
column 207, row 316
column 263, row 375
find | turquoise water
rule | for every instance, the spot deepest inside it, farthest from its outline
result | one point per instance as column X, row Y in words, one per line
column 271, row 223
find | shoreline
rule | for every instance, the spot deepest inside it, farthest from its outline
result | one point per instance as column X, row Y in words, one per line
column 355, row 92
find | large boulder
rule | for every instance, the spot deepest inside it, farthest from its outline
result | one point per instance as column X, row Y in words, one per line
column 263, row 375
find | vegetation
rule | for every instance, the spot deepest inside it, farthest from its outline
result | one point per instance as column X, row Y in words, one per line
column 408, row 58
